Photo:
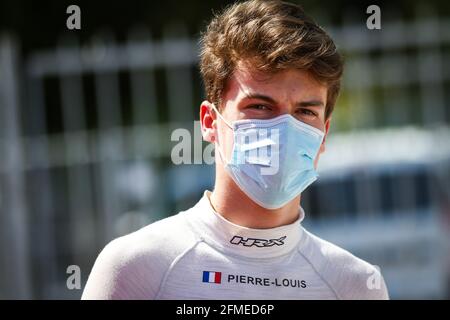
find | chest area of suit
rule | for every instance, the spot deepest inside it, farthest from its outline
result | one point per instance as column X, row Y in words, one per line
column 206, row 273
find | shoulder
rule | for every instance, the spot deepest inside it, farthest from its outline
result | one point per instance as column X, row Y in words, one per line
column 347, row 275
column 169, row 235
column 164, row 239
column 133, row 266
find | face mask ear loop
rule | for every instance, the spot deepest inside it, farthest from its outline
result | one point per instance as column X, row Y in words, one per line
column 217, row 140
column 221, row 117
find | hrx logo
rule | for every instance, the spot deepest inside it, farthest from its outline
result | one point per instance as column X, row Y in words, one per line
column 261, row 243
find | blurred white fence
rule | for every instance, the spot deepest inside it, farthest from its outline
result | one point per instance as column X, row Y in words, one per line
column 64, row 192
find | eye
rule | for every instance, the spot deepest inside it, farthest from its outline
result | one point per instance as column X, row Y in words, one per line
column 307, row 112
column 259, row 107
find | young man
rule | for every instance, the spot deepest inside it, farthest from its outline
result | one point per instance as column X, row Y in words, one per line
column 272, row 78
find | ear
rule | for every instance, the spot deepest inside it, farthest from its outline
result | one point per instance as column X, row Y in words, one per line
column 207, row 121
column 327, row 128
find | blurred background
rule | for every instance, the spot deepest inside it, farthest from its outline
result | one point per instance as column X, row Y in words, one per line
column 86, row 135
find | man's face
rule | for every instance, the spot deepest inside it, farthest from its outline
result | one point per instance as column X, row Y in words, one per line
column 251, row 94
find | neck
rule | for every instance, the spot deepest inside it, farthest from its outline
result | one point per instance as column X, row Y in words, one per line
column 234, row 205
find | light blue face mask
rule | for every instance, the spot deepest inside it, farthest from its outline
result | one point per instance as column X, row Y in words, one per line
column 272, row 160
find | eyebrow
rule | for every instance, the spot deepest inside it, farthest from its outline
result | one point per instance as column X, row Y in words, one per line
column 260, row 97
column 308, row 103
column 311, row 103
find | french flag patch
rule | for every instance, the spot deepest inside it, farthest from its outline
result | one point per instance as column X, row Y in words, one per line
column 212, row 277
